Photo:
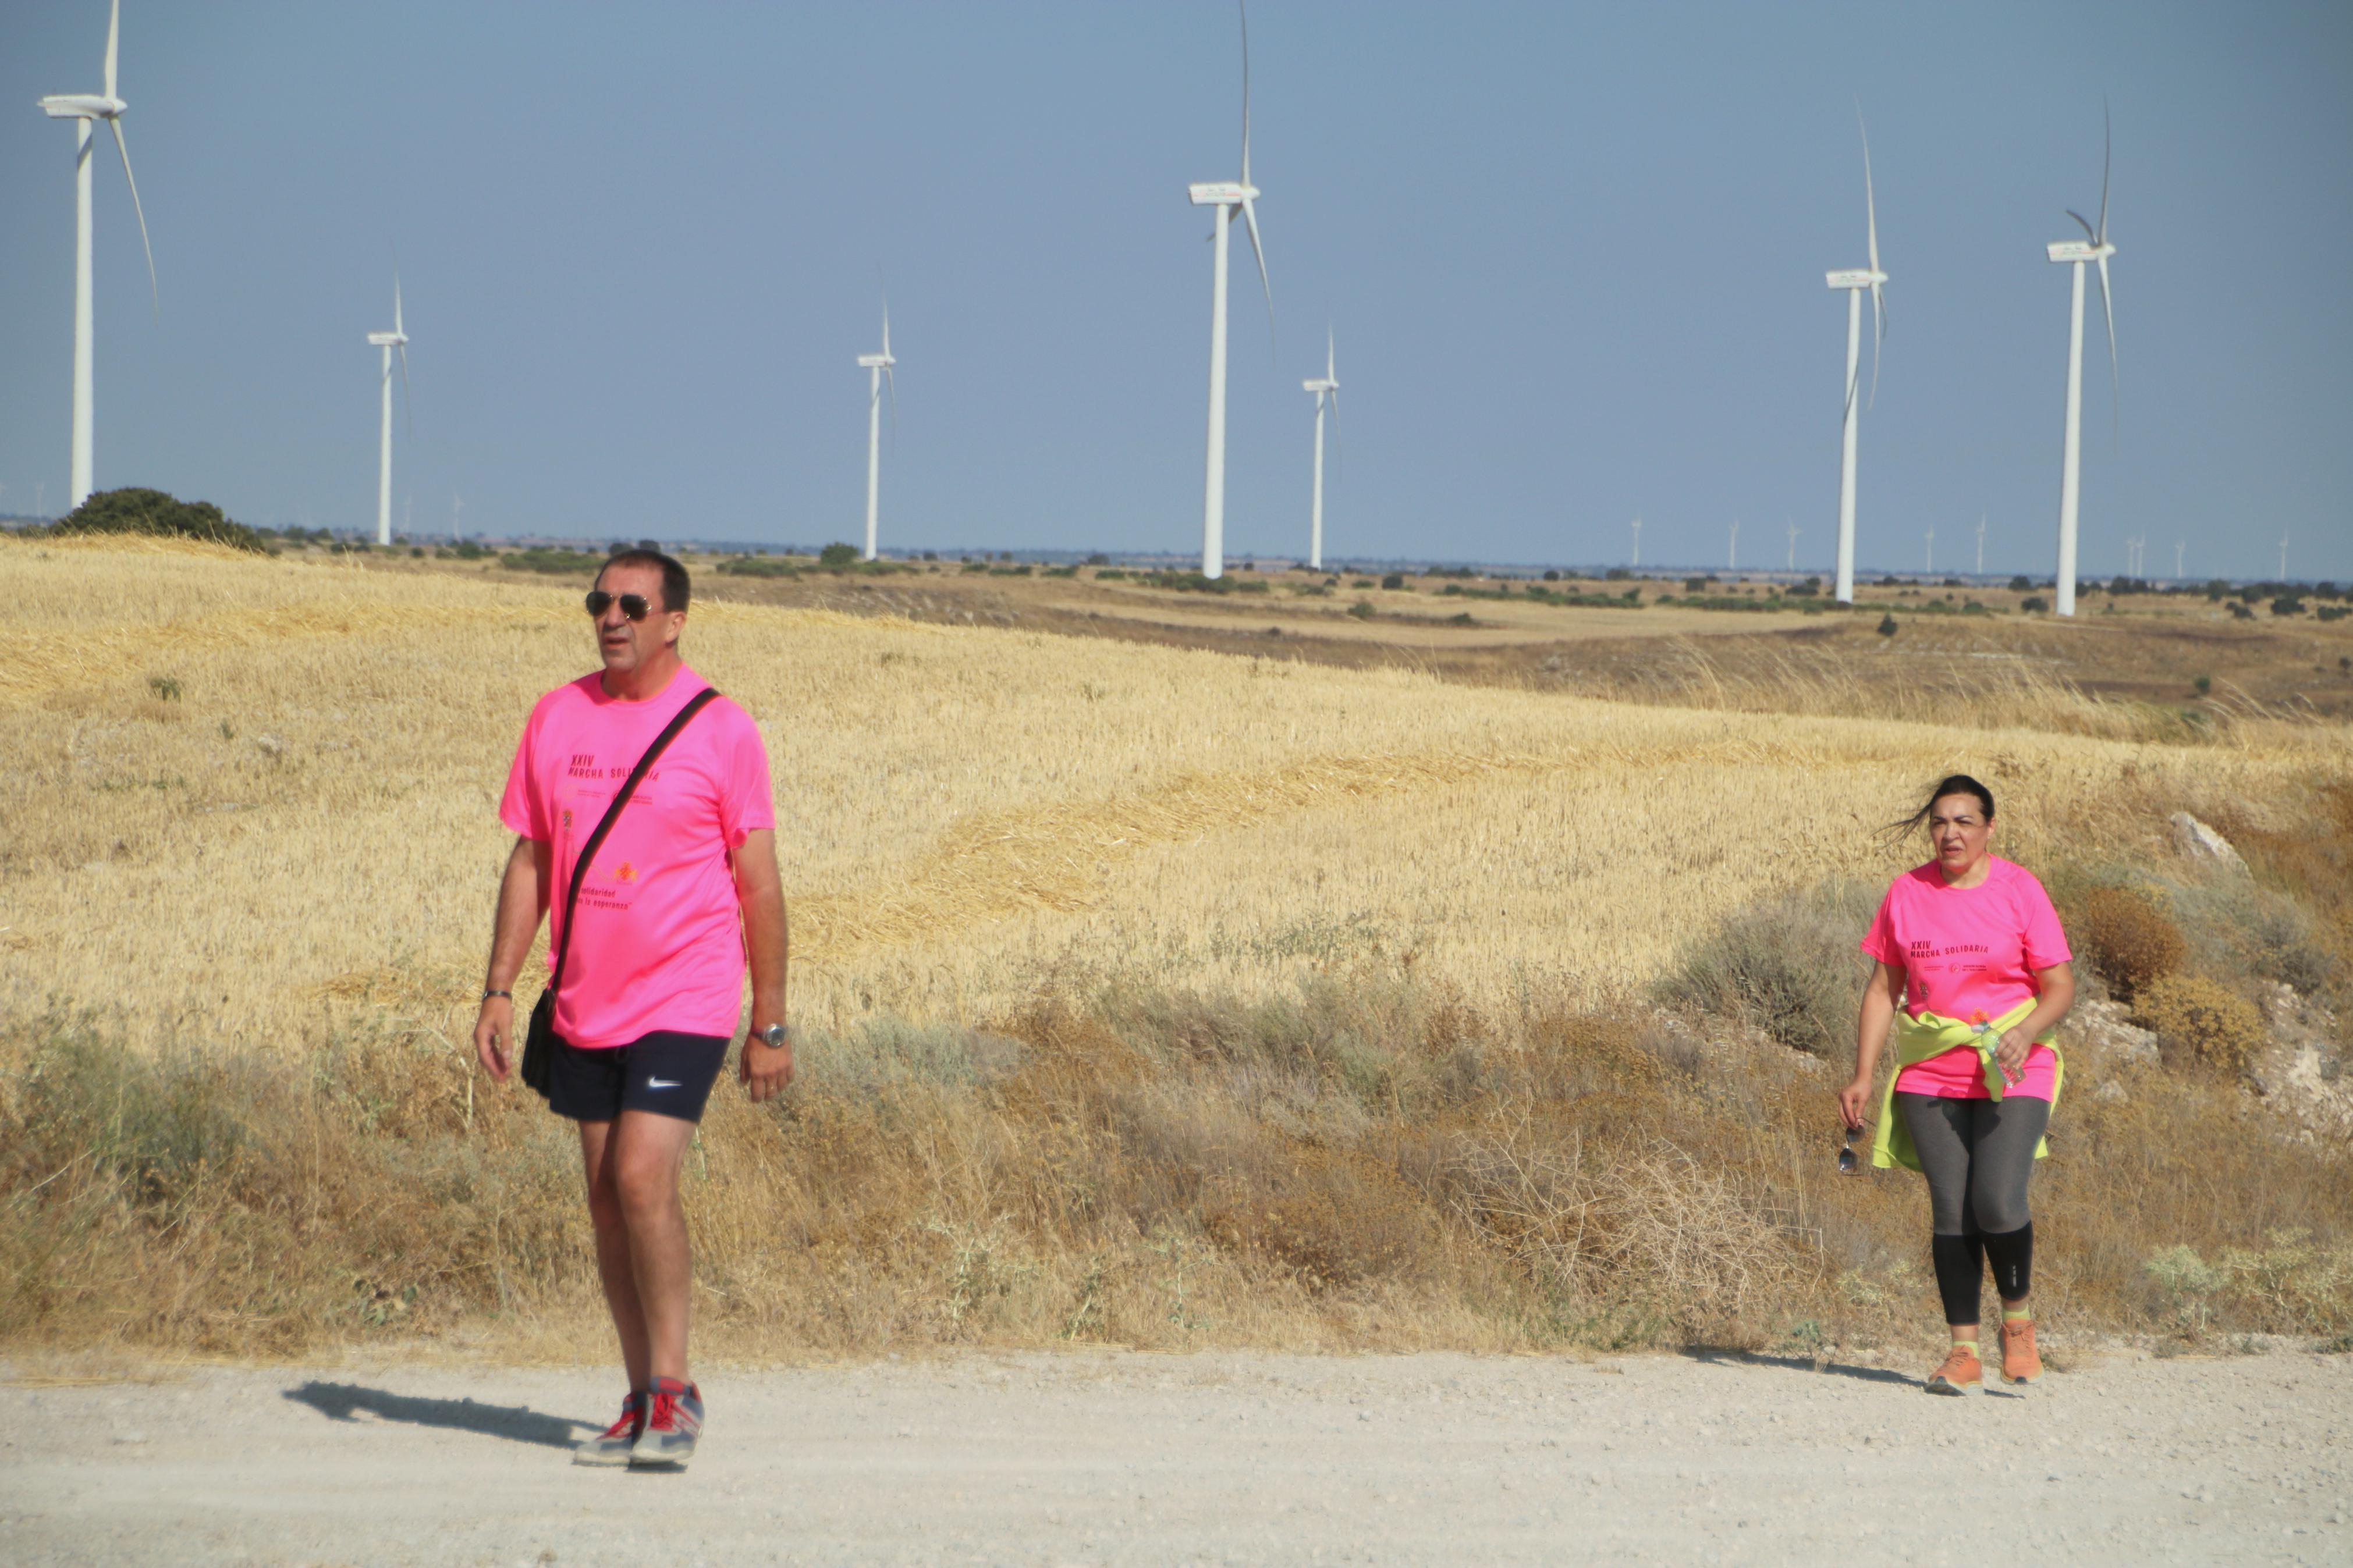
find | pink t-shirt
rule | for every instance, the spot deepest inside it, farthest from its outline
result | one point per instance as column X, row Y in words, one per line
column 1968, row 954
column 660, row 943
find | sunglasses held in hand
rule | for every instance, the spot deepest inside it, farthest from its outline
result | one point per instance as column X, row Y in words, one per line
column 633, row 606
column 1848, row 1164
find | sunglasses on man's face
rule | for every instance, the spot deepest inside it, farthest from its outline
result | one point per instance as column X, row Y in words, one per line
column 633, row 606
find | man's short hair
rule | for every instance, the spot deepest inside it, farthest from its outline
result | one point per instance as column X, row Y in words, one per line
column 675, row 588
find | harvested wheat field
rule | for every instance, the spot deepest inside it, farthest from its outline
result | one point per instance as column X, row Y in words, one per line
column 1149, row 995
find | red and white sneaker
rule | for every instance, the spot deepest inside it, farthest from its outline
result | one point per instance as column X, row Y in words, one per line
column 673, row 1422
column 612, row 1446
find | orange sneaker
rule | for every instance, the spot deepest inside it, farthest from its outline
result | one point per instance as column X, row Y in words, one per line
column 1961, row 1373
column 2020, row 1363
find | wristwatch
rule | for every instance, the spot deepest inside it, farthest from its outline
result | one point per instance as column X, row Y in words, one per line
column 774, row 1037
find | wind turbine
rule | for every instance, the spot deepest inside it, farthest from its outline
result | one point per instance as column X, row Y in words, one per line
column 1731, row 551
column 1326, row 385
column 1930, row 565
column 86, row 108
column 2076, row 253
column 1980, row 544
column 395, row 339
column 2283, row 573
column 1794, row 532
column 1854, row 281
column 1226, row 195
column 878, row 369
column 2179, row 545
column 1638, row 541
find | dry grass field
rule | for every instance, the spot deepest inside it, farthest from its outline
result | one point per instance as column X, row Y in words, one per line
column 1150, row 995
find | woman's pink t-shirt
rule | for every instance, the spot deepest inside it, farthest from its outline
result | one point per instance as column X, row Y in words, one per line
column 660, row 944
column 1968, row 954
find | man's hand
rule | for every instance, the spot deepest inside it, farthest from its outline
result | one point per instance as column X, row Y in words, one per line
column 764, row 1069
column 493, row 1034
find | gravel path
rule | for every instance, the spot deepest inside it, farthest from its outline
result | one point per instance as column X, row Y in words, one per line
column 1122, row 1458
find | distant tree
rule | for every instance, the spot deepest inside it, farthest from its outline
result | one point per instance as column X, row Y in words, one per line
column 1394, row 580
column 838, row 557
column 2287, row 605
column 2034, row 603
column 136, row 511
column 1551, row 575
column 1887, row 626
column 2021, row 583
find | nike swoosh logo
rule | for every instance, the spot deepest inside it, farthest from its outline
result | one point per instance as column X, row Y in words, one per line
column 661, row 1083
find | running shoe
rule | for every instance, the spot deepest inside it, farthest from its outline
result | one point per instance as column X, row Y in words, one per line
column 612, row 1446
column 1961, row 1373
column 2020, row 1363
column 673, row 1421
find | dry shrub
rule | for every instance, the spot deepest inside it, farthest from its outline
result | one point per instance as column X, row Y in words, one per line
column 2201, row 1023
column 1788, row 966
column 2129, row 939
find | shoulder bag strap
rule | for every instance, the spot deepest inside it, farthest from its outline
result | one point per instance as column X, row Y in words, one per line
column 694, row 705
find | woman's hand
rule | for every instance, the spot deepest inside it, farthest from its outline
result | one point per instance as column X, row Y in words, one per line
column 1851, row 1100
column 2010, row 1055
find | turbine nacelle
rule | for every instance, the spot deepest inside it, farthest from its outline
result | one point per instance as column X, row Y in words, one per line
column 82, row 106
column 1856, row 278
column 2079, row 251
column 1223, row 194
column 1319, row 386
column 387, row 340
column 875, row 361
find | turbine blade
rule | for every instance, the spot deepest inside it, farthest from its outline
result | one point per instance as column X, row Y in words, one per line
column 113, row 38
column 396, row 311
column 124, row 148
column 2116, row 385
column 1329, row 374
column 2107, row 152
column 2088, row 233
column 1244, row 9
column 1249, row 217
column 1870, row 217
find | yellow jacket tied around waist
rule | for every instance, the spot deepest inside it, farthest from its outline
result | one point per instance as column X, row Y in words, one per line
column 1931, row 1034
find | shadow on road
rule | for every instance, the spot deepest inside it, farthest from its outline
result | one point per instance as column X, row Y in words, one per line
column 1800, row 1364
column 343, row 1401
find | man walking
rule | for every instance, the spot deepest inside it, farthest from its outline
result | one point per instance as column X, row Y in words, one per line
column 682, row 890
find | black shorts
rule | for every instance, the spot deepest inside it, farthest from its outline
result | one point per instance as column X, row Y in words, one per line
column 666, row 1072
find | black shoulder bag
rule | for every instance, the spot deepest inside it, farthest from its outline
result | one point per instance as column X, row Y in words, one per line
column 539, row 1040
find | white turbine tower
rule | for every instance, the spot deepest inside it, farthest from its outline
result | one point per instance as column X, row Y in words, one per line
column 2179, row 545
column 1794, row 532
column 1980, row 544
column 1323, row 386
column 1930, row 564
column 2077, row 253
column 395, row 339
column 1638, row 541
column 87, row 107
column 1731, row 551
column 1226, row 195
column 2282, row 571
column 1854, row 281
column 878, row 369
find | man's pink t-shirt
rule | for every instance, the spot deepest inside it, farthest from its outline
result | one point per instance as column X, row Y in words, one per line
column 660, row 944
column 1968, row 954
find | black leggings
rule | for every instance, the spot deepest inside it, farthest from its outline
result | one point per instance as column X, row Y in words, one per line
column 1978, row 1156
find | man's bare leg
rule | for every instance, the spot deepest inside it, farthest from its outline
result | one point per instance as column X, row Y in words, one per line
column 598, row 1151
column 645, row 1153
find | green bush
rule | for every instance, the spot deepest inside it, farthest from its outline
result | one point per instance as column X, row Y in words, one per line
column 759, row 566
column 136, row 511
column 2200, row 1023
column 1394, row 580
column 2129, row 939
column 838, row 557
column 555, row 562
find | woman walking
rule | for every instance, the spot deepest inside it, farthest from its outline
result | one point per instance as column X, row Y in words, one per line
column 1973, row 971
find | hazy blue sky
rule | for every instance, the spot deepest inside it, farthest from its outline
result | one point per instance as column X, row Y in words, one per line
column 1573, row 254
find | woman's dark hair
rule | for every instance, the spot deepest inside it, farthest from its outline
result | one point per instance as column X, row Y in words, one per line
column 1951, row 783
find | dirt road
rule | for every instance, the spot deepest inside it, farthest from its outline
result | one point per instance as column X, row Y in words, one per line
column 1225, row 1458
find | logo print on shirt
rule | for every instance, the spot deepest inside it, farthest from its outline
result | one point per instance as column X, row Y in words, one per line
column 567, row 819
column 627, row 873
